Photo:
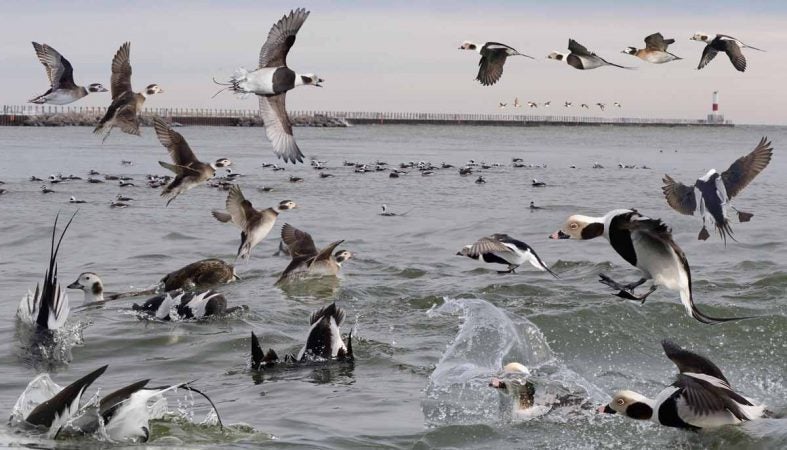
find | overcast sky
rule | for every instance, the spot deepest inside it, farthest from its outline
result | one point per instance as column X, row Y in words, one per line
column 403, row 56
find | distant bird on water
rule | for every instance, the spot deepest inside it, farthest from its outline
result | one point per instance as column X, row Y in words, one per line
column 271, row 81
column 711, row 194
column 190, row 172
column 62, row 89
column 581, row 58
column 723, row 43
column 655, row 50
column 126, row 104
column 493, row 57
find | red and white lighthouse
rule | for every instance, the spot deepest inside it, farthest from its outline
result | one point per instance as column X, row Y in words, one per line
column 715, row 102
column 714, row 116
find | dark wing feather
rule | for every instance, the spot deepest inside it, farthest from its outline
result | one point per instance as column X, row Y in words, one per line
column 704, row 398
column 328, row 311
column 121, row 71
column 44, row 414
column 257, row 354
column 327, row 251
column 707, row 56
column 578, row 49
column 178, row 148
column 690, row 362
column 299, row 242
column 746, row 168
column 281, row 38
column 278, row 128
column 679, row 196
column 58, row 69
column 733, row 51
column 490, row 67
column 657, row 42
column 487, row 244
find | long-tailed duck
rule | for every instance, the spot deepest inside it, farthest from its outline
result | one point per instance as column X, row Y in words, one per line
column 581, row 58
column 493, row 57
column 126, row 104
column 655, row 50
column 722, row 43
column 306, row 259
column 62, row 89
column 700, row 397
column 711, row 194
column 501, row 248
column 201, row 274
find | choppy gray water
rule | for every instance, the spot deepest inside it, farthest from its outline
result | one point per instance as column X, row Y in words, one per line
column 404, row 267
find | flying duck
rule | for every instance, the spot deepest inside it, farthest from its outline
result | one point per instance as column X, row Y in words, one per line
column 200, row 274
column 62, row 89
column 324, row 342
column 568, row 104
column 502, row 105
column 126, row 104
column 272, row 80
column 501, row 248
column 601, row 106
column 47, row 308
column 493, row 57
column 711, row 194
column 516, row 103
column 581, row 58
column 700, row 397
column 655, row 50
column 254, row 224
column 722, row 43
column 646, row 244
column 190, row 172
column 180, row 305
column 306, row 259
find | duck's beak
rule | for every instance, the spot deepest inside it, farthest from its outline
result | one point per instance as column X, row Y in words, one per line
column 319, row 80
column 559, row 234
column 75, row 285
column 606, row 410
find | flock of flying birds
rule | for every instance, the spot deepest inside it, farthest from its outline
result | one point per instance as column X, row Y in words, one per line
column 700, row 396
column 548, row 103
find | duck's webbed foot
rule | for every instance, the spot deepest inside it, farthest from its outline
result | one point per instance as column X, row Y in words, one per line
column 626, row 291
column 704, row 235
column 511, row 269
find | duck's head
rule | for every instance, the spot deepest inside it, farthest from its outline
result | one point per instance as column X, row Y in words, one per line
column 310, row 79
column 700, row 36
column 88, row 282
column 630, row 51
column 287, row 204
column 96, row 87
column 223, row 162
column 579, row 227
column 514, row 381
column 342, row 256
column 629, row 404
column 467, row 45
column 557, row 56
column 153, row 89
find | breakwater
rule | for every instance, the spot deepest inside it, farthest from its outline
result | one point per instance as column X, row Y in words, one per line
column 33, row 115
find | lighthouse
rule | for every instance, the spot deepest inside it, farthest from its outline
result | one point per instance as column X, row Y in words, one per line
column 715, row 116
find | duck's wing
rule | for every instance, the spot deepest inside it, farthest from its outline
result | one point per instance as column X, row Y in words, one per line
column 657, row 42
column 299, row 242
column 746, row 168
column 58, row 69
column 579, row 49
column 176, row 145
column 733, row 51
column 707, row 56
column 111, row 402
column 121, row 71
column 490, row 67
column 705, row 397
column 278, row 128
column 58, row 409
column 679, row 196
column 239, row 208
column 281, row 38
column 488, row 244
column 690, row 362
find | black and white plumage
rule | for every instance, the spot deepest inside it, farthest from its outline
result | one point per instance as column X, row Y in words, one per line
column 47, row 308
column 62, row 89
column 700, row 397
column 201, row 274
column 126, row 104
column 581, row 58
column 190, row 172
column 180, row 305
column 722, row 43
column 255, row 224
column 271, row 81
column 501, row 248
column 493, row 57
column 646, row 244
column 306, row 259
column 711, row 194
column 655, row 50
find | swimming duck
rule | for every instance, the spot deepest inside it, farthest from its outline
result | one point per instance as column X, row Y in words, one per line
column 306, row 259
column 179, row 305
column 200, row 274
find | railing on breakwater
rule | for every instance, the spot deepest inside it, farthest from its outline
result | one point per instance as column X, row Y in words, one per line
column 13, row 115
